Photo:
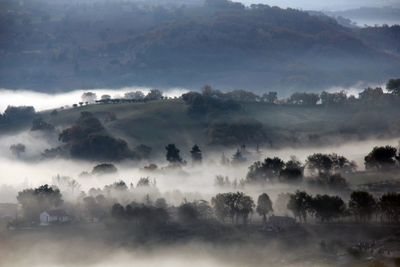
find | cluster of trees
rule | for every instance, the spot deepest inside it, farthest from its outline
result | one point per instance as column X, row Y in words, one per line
column 382, row 158
column 232, row 207
column 174, row 158
column 14, row 117
column 362, row 206
column 273, row 169
column 34, row 201
column 213, row 100
column 325, row 168
column 88, row 139
column 135, row 96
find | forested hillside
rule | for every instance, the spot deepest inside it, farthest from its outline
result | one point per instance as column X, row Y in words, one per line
column 50, row 46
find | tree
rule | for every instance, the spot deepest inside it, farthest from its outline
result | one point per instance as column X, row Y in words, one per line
column 267, row 170
column 88, row 139
column 293, row 171
column 389, row 205
column 270, row 97
column 118, row 211
column 264, row 206
column 17, row 149
column 89, row 97
column 105, row 97
column 319, row 162
column 196, row 154
column 300, row 204
column 173, row 155
column 154, row 94
column 327, row 207
column 34, row 201
column 393, row 86
column 233, row 205
column 309, row 99
column 104, row 168
column 137, row 95
column 143, row 182
column 188, row 213
column 330, row 99
column 381, row 157
column 362, row 205
column 40, row 125
column 245, row 206
column 371, row 94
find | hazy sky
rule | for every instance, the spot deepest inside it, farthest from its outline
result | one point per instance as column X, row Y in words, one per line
column 326, row 5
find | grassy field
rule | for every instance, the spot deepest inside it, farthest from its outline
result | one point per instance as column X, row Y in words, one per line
column 161, row 122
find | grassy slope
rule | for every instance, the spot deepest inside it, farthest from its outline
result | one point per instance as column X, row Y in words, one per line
column 159, row 123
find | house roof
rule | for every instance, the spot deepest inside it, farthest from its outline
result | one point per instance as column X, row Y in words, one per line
column 57, row 213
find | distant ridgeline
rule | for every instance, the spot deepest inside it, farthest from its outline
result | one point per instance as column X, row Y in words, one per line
column 50, row 46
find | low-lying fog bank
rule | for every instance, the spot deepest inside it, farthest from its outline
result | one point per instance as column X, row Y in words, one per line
column 61, row 250
column 45, row 101
column 193, row 182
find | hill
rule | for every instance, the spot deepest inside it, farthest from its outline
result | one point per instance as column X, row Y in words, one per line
column 158, row 123
column 54, row 47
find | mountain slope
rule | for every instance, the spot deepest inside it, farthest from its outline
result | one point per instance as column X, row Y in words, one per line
column 222, row 43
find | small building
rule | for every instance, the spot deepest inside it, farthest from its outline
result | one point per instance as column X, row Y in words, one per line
column 53, row 216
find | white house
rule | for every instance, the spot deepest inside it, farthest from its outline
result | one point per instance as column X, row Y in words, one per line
column 53, row 216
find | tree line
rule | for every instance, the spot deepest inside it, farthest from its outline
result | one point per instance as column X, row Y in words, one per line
column 230, row 207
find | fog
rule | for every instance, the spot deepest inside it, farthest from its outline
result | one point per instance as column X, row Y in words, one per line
column 192, row 182
column 44, row 101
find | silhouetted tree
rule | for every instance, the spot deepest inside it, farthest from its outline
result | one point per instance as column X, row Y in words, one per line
column 362, row 205
column 238, row 157
column 381, row 157
column 233, row 205
column 370, row 95
column 89, row 97
column 267, row 170
column 393, row 86
column 309, row 99
column 196, row 154
column 300, row 204
column 293, row 171
column 327, row 207
column 330, row 99
column 173, row 154
column 320, row 162
column 17, row 149
column 264, row 206
column 188, row 213
column 104, row 168
column 154, row 94
column 389, row 205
